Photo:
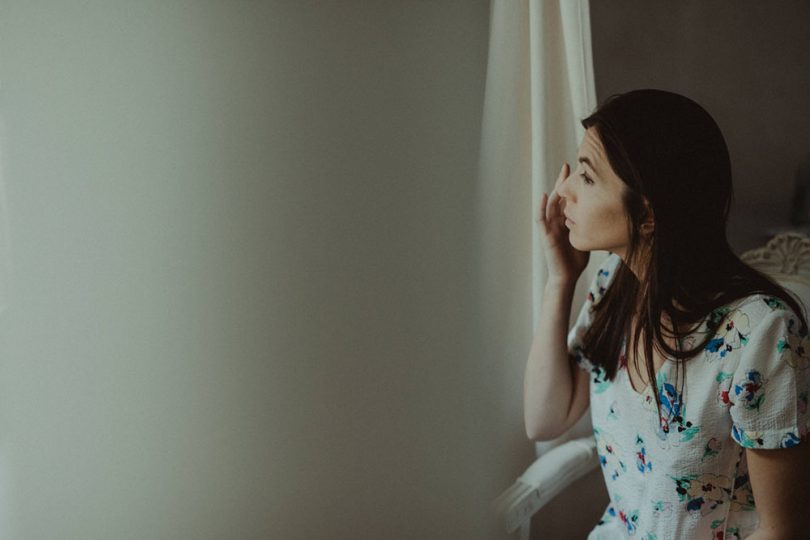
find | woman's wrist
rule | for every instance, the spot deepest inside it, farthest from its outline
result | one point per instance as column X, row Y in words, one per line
column 559, row 283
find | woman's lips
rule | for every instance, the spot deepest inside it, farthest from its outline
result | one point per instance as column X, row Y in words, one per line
column 569, row 220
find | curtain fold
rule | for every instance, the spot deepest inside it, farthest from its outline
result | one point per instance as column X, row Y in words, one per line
column 539, row 86
column 562, row 93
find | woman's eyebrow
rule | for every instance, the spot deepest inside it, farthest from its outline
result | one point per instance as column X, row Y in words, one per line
column 588, row 161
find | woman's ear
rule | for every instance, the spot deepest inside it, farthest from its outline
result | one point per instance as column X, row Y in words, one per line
column 648, row 224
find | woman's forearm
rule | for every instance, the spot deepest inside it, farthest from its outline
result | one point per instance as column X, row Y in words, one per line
column 547, row 383
column 762, row 534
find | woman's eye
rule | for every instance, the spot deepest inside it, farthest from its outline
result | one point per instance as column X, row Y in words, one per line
column 587, row 178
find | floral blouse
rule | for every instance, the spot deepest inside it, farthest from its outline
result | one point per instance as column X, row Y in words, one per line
column 686, row 475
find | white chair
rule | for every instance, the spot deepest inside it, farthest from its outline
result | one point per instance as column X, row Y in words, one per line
column 785, row 258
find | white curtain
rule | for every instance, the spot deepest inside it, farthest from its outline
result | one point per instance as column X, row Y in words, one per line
column 539, row 86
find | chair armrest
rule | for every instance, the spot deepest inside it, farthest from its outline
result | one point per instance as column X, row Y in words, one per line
column 543, row 480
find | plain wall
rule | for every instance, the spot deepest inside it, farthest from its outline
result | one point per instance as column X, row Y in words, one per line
column 242, row 252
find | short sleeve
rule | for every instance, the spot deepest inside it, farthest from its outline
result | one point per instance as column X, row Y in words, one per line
column 596, row 290
column 770, row 384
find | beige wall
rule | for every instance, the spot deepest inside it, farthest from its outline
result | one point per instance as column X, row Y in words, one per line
column 746, row 62
column 243, row 294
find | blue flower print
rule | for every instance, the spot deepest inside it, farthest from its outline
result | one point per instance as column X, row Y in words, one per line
column 630, row 521
column 609, row 452
column 747, row 438
column 643, row 464
column 601, row 286
column 751, row 389
column 728, row 337
column 792, row 439
column 673, row 410
column 598, row 373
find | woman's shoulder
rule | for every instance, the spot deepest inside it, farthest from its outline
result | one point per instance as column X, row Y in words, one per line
column 760, row 303
column 750, row 311
column 604, row 277
column 610, row 262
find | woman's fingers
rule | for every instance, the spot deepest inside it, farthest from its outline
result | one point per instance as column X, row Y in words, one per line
column 543, row 219
column 561, row 176
column 551, row 205
column 554, row 211
column 549, row 212
column 541, row 211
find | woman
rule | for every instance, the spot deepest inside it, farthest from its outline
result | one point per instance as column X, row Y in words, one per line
column 701, row 424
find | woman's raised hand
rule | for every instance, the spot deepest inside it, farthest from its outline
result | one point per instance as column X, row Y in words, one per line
column 565, row 262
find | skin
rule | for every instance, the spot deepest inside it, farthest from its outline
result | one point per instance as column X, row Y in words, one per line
column 780, row 483
column 592, row 199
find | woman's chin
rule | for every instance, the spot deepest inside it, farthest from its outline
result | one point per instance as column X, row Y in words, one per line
column 572, row 239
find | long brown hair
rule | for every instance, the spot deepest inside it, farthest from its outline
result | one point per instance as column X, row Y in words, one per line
column 670, row 153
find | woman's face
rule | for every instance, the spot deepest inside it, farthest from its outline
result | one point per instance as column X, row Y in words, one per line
column 592, row 197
